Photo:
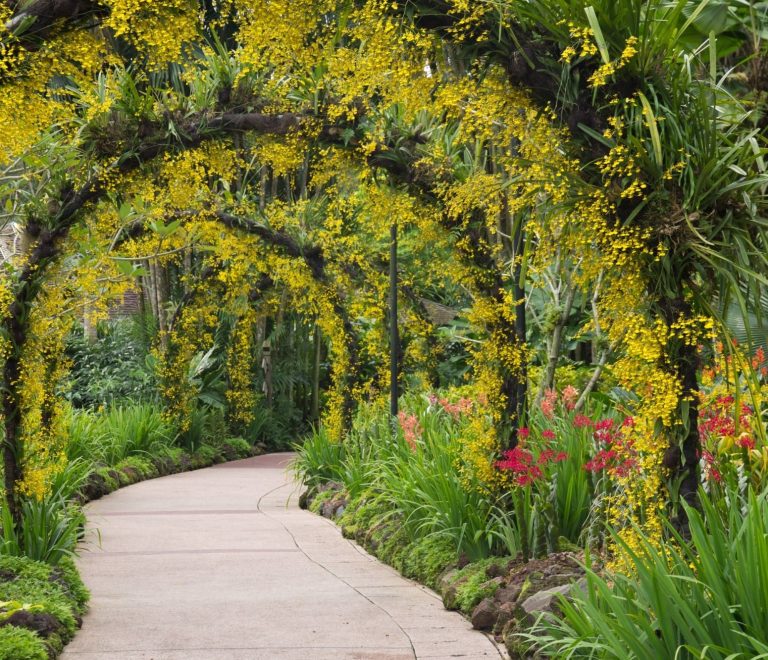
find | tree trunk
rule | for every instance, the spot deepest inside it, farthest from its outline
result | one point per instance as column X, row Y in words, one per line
column 318, row 347
column 682, row 455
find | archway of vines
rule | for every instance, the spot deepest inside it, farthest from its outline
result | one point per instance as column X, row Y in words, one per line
column 263, row 150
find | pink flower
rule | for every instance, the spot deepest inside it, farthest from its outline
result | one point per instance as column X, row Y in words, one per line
column 548, row 434
column 412, row 430
column 570, row 396
column 523, row 432
column 456, row 410
column 548, row 403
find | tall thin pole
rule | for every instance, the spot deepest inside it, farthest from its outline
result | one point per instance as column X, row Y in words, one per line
column 394, row 334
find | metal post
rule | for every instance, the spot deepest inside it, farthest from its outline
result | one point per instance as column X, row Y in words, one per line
column 394, row 335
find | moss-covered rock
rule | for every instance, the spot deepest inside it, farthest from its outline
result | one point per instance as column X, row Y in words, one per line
column 473, row 583
column 316, row 505
column 233, row 449
column 204, row 456
column 427, row 559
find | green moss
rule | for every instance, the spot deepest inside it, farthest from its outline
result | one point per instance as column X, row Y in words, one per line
column 316, row 505
column 361, row 515
column 473, row 583
column 33, row 583
column 427, row 558
column 235, row 448
column 21, row 644
column 206, row 455
column 65, row 573
column 110, row 479
column 394, row 540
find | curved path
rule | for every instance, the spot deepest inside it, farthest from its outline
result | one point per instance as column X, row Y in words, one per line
column 221, row 564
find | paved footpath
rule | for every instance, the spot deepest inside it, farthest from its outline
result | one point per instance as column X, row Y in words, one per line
column 221, row 564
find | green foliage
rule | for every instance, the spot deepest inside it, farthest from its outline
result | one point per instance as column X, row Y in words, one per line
column 55, row 591
column 472, row 584
column 276, row 427
column 49, row 530
column 319, row 459
column 114, row 368
column 21, row 644
column 68, row 482
column 421, row 485
column 120, row 431
column 570, row 491
column 205, row 455
column 703, row 598
column 205, row 424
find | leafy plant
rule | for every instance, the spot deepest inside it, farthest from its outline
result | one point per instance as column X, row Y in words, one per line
column 120, row 431
column 49, row 530
column 319, row 459
column 703, row 598
column 115, row 367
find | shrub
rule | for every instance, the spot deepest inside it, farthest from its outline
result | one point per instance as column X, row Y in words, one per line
column 416, row 478
column 427, row 558
column 206, row 424
column 116, row 367
column 235, row 448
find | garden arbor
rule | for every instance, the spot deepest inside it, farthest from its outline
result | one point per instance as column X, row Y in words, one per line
column 276, row 142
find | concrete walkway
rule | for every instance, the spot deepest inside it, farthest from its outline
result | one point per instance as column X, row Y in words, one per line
column 221, row 564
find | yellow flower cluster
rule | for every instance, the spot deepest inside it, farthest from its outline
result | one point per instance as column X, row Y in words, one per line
column 584, row 45
column 158, row 29
column 600, row 77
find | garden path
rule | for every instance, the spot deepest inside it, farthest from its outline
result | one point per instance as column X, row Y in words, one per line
column 221, row 564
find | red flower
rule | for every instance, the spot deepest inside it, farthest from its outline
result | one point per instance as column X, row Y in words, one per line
column 523, row 432
column 746, row 441
column 581, row 421
column 546, row 456
column 548, row 434
column 520, row 463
